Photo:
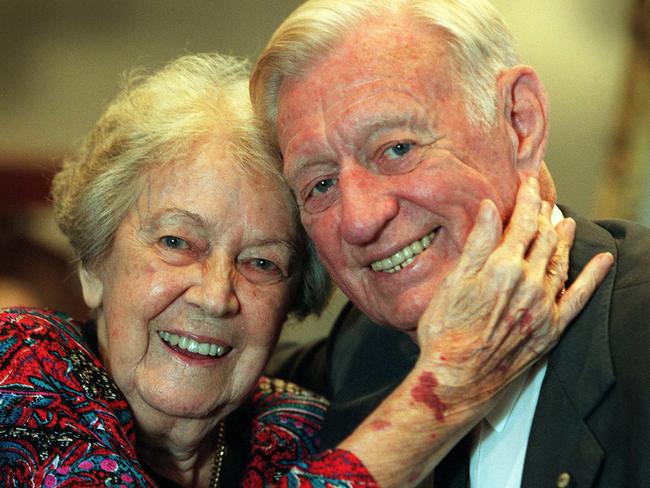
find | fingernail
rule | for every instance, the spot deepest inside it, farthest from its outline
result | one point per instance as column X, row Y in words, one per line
column 486, row 210
column 570, row 222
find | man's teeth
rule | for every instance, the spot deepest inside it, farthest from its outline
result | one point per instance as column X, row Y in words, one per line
column 401, row 259
column 203, row 348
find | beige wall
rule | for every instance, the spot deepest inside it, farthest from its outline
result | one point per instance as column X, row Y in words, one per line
column 579, row 48
column 62, row 61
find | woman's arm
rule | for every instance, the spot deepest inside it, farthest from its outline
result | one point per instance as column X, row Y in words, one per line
column 62, row 420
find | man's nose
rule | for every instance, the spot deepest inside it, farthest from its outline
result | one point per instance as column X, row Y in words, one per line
column 367, row 204
column 214, row 288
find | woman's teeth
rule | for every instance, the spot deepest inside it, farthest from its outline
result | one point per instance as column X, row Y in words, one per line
column 401, row 259
column 190, row 345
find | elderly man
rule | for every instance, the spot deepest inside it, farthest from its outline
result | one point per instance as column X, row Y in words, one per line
column 395, row 120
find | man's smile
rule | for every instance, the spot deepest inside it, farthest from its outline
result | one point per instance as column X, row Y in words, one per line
column 402, row 258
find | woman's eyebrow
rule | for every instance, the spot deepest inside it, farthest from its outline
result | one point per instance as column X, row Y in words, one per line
column 291, row 246
column 173, row 215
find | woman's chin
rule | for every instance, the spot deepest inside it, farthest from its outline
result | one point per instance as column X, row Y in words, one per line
column 174, row 403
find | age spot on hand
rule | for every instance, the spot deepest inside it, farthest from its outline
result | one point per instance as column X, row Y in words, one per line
column 424, row 392
column 380, row 425
column 525, row 323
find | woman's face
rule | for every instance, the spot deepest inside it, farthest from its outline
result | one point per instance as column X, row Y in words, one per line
column 196, row 287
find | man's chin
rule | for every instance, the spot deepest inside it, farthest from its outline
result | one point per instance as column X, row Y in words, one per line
column 391, row 314
column 413, row 334
column 397, row 321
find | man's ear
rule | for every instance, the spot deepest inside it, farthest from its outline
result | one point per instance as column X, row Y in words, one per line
column 92, row 288
column 525, row 106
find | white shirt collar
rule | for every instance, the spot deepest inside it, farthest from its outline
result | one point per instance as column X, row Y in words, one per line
column 556, row 215
column 499, row 415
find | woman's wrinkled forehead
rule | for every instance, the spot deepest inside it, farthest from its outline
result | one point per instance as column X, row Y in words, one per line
column 212, row 205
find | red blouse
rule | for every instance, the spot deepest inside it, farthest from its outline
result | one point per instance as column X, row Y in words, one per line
column 64, row 423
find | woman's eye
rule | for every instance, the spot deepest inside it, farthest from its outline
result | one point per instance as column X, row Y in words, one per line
column 261, row 270
column 173, row 242
column 398, row 150
column 264, row 264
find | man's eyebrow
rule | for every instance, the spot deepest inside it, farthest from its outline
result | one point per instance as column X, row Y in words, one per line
column 297, row 166
column 412, row 121
column 307, row 154
column 388, row 122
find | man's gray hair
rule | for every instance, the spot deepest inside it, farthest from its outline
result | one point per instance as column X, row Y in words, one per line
column 478, row 41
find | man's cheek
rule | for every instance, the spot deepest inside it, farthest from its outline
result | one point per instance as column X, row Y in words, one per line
column 322, row 233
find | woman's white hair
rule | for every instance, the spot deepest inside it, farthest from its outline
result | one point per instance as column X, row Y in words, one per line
column 170, row 115
column 478, row 41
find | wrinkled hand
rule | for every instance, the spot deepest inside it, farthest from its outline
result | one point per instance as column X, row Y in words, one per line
column 504, row 305
column 501, row 308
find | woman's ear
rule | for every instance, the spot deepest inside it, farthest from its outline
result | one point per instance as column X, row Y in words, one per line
column 92, row 288
column 525, row 106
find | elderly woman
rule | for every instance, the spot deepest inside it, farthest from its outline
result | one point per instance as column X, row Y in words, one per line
column 190, row 258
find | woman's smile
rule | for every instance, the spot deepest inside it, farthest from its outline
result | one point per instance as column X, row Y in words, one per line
column 192, row 347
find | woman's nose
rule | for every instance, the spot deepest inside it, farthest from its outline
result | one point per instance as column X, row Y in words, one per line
column 214, row 288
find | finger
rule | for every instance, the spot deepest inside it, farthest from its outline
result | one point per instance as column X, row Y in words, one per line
column 528, row 342
column 543, row 249
column 546, row 210
column 517, row 361
column 503, row 316
column 523, row 224
column 513, row 348
column 581, row 290
column 566, row 231
column 482, row 239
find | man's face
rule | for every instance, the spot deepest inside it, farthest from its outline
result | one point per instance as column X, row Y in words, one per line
column 386, row 167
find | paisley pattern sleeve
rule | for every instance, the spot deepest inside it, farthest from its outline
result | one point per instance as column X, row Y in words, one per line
column 63, row 422
column 284, row 448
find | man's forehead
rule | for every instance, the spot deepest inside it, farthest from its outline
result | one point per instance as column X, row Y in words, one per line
column 319, row 97
column 299, row 97
column 385, row 96
column 369, row 53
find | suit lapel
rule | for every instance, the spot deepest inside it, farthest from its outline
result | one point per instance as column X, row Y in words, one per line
column 579, row 375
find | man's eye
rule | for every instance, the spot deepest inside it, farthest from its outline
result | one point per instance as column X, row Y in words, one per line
column 173, row 242
column 320, row 196
column 323, row 186
column 398, row 150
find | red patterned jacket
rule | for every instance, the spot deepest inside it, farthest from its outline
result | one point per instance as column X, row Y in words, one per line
column 64, row 423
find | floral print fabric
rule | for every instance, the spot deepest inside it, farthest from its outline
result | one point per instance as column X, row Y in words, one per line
column 64, row 423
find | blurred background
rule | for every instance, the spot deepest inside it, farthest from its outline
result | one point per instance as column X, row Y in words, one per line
column 63, row 60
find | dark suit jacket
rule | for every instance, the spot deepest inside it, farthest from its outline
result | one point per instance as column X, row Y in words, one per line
column 592, row 420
